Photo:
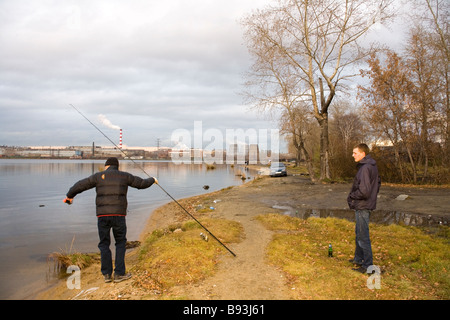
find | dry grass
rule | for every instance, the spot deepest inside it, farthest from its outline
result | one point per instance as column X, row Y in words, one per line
column 277, row 222
column 417, row 186
column 64, row 258
column 414, row 263
column 180, row 255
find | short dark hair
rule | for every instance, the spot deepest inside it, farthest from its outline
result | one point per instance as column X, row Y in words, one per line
column 112, row 161
column 363, row 148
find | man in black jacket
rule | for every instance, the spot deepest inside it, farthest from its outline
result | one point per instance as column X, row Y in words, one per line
column 111, row 201
column 363, row 199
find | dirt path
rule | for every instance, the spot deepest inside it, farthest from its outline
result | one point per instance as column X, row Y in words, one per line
column 248, row 276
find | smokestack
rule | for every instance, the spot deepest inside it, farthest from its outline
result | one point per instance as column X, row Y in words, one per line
column 120, row 139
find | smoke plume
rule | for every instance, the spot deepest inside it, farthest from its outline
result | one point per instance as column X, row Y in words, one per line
column 107, row 123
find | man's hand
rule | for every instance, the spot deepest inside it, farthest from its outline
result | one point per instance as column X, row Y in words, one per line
column 156, row 180
column 68, row 200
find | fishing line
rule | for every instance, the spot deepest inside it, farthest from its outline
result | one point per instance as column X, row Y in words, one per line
column 143, row 170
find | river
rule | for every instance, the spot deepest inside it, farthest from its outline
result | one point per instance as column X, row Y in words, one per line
column 35, row 222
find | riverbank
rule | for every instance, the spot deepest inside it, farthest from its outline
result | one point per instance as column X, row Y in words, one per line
column 249, row 275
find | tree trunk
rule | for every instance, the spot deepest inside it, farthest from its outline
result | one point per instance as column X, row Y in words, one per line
column 324, row 148
column 413, row 165
column 308, row 160
column 322, row 118
column 298, row 151
column 399, row 163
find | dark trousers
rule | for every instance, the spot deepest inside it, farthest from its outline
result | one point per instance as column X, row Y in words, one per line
column 119, row 229
column 363, row 251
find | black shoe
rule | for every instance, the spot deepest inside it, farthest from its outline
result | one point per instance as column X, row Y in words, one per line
column 108, row 278
column 355, row 262
column 360, row 269
column 126, row 276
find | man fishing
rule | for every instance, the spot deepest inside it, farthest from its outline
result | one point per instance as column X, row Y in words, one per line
column 111, row 201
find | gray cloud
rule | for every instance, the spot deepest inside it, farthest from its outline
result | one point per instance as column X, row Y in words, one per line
column 149, row 67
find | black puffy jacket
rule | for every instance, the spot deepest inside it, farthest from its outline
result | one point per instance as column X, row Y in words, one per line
column 366, row 185
column 111, row 187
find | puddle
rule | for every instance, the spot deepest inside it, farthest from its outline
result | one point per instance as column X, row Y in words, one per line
column 377, row 216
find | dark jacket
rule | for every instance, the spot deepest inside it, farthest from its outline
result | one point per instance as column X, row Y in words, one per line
column 366, row 185
column 111, row 187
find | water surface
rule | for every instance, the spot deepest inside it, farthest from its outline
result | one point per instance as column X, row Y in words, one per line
column 35, row 222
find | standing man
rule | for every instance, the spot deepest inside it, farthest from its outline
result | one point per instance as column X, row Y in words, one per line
column 111, row 186
column 363, row 199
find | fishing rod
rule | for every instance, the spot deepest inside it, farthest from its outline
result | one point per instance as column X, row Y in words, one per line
column 143, row 170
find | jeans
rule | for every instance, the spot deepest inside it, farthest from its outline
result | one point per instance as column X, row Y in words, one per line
column 363, row 251
column 119, row 228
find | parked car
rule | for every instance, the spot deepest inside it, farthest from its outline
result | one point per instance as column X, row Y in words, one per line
column 278, row 169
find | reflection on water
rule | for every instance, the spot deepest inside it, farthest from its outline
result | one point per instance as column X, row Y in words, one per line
column 35, row 222
column 377, row 216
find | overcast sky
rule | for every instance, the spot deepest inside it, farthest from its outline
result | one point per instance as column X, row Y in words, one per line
column 150, row 67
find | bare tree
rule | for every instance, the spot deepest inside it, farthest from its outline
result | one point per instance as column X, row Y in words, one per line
column 432, row 20
column 438, row 19
column 318, row 41
column 345, row 132
column 347, row 126
column 426, row 92
column 296, row 122
column 391, row 107
column 278, row 91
